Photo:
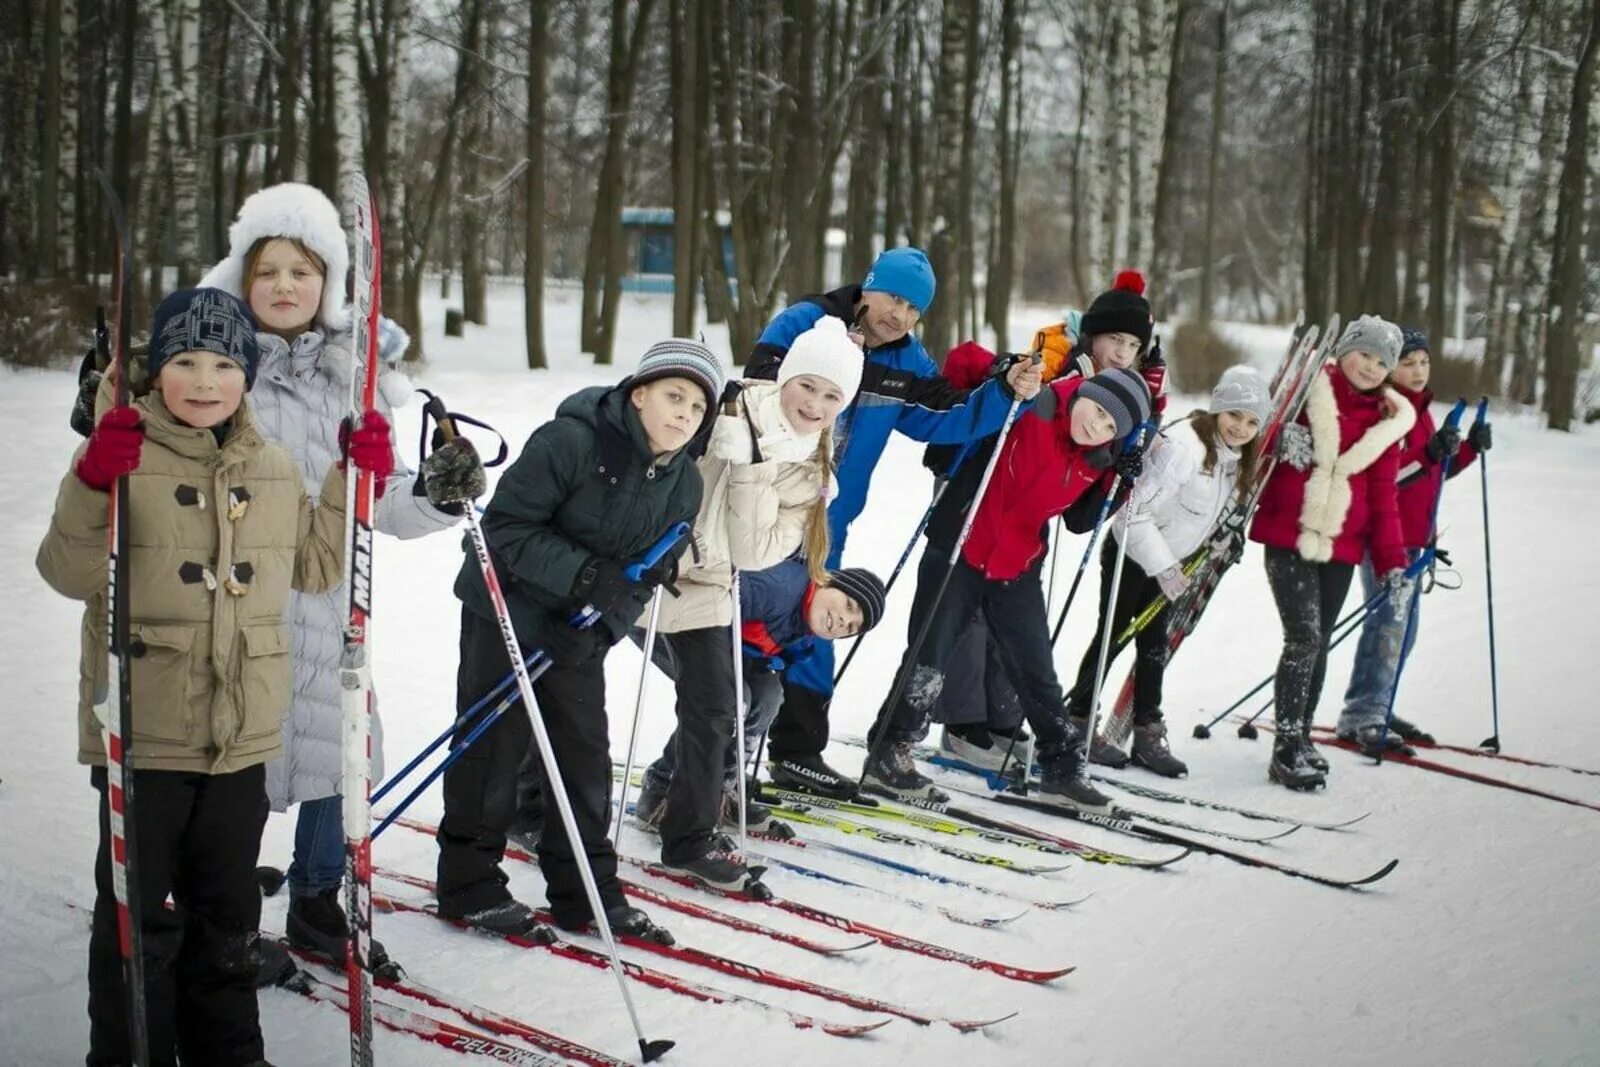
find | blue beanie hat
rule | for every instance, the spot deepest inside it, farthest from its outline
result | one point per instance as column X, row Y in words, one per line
column 204, row 320
column 903, row 272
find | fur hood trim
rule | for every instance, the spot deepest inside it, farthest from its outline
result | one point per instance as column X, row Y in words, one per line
column 1327, row 493
column 290, row 209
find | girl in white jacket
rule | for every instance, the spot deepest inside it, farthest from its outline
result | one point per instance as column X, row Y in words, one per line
column 288, row 259
column 767, row 472
column 1198, row 466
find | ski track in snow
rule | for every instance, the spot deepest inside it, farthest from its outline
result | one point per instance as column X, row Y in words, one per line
column 1480, row 948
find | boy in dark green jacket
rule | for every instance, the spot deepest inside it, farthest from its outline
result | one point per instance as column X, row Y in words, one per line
column 593, row 489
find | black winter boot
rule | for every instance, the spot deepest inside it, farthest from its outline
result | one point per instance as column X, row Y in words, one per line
column 317, row 924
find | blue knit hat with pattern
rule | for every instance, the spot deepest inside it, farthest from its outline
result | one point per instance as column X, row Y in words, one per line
column 204, row 320
column 903, row 272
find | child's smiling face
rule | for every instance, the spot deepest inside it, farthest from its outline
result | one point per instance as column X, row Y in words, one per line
column 201, row 388
column 672, row 411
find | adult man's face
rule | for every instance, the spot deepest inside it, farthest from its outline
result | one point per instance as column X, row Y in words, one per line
column 884, row 318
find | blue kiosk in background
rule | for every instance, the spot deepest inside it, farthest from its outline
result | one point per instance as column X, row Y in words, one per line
column 648, row 233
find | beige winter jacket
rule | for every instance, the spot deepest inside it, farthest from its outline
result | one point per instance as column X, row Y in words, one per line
column 752, row 516
column 217, row 536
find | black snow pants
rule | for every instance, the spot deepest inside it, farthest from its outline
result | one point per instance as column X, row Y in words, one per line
column 1309, row 596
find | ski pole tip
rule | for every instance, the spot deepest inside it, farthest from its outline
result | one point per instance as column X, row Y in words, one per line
column 654, row 1050
column 1201, row 731
column 1248, row 731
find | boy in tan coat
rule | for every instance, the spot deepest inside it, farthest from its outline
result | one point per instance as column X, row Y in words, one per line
column 220, row 529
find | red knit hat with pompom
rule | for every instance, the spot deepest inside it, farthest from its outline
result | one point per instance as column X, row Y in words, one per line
column 1121, row 309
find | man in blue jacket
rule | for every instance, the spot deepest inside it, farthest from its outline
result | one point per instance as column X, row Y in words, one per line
column 901, row 389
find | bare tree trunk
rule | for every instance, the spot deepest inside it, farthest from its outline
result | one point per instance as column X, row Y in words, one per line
column 49, row 141
column 348, row 101
column 1561, row 351
column 1521, row 173
column 602, row 264
column 1003, row 239
column 949, row 119
column 1443, row 155
column 687, row 129
column 866, row 161
column 29, row 240
column 534, row 186
column 1219, row 73
column 1165, row 247
column 1381, row 290
column 472, row 199
column 1093, row 172
column 896, row 208
column 1151, row 59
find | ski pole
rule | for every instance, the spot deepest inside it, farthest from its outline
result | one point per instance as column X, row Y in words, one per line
column 908, row 665
column 1452, row 421
column 1055, row 557
column 638, row 714
column 648, row 1049
column 1136, row 441
column 1345, row 627
column 1492, row 742
column 940, row 485
column 114, row 705
column 738, row 702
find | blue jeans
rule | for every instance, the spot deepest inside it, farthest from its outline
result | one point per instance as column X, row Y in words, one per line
column 318, row 847
column 1378, row 655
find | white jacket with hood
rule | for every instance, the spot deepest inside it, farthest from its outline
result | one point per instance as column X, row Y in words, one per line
column 1176, row 502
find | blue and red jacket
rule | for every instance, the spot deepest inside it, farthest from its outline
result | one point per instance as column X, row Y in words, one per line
column 773, row 605
column 1420, row 477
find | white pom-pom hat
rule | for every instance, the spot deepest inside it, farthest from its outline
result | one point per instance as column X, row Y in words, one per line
column 300, row 211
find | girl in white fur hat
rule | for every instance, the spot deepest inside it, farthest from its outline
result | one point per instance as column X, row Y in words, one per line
column 287, row 259
column 768, row 472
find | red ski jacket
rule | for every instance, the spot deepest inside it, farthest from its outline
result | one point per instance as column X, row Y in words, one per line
column 1345, row 504
column 1420, row 479
column 1040, row 474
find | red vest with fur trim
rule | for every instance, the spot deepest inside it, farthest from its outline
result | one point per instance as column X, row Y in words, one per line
column 1346, row 503
column 1041, row 472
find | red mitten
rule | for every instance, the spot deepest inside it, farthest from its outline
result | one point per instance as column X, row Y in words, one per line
column 369, row 447
column 113, row 449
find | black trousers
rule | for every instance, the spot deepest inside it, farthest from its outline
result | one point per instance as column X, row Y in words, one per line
column 480, row 788
column 1309, row 597
column 198, row 839
column 801, row 728
column 1015, row 614
column 976, row 689
column 701, row 664
column 1150, row 645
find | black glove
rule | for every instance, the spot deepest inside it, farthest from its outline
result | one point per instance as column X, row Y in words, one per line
column 601, row 584
column 1128, row 465
column 568, row 646
column 452, row 475
column 1442, row 556
column 663, row 575
column 1444, row 443
column 1152, row 356
column 1480, row 437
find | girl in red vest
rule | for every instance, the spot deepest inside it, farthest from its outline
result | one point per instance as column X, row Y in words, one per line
column 1330, row 501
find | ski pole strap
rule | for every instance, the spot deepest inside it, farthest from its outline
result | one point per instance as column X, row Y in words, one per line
column 448, row 421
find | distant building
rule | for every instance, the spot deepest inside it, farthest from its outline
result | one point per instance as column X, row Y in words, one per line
column 647, row 232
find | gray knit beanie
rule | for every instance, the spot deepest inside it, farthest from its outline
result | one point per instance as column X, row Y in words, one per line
column 1374, row 335
column 1242, row 389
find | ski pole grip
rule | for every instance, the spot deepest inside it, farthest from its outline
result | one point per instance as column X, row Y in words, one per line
column 1453, row 419
column 440, row 414
column 1482, row 414
column 653, row 554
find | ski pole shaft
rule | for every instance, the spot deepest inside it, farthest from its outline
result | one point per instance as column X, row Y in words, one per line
column 650, row 1050
column 1135, row 442
column 894, row 575
column 638, row 714
column 1493, row 740
column 738, row 702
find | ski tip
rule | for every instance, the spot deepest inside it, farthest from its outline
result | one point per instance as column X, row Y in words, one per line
column 1341, row 825
column 854, row 1029
column 1380, row 873
column 1281, row 835
column 654, row 1050
column 967, row 1026
column 842, row 949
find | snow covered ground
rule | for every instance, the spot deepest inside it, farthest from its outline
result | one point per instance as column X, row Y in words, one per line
column 1481, row 948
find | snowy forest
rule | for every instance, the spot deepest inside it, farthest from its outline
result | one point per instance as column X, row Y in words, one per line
column 1428, row 161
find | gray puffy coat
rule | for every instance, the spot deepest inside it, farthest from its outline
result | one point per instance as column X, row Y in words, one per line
column 301, row 393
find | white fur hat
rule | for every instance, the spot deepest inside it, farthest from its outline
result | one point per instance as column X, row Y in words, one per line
column 825, row 351
column 290, row 209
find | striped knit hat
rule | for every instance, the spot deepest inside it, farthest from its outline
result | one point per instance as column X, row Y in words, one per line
column 865, row 588
column 1123, row 394
column 679, row 357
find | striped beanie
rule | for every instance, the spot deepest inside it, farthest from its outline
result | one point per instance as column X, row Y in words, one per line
column 865, row 588
column 679, row 357
column 1123, row 394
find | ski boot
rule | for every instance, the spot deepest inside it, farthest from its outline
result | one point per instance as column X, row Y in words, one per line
column 1065, row 785
column 978, row 747
column 626, row 920
column 1150, row 751
column 1409, row 731
column 1375, row 744
column 809, row 774
column 317, row 925
column 652, row 805
column 722, row 869
column 1101, row 751
column 893, row 773
column 508, row 918
column 1289, row 766
column 1313, row 754
column 758, row 818
column 274, row 965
